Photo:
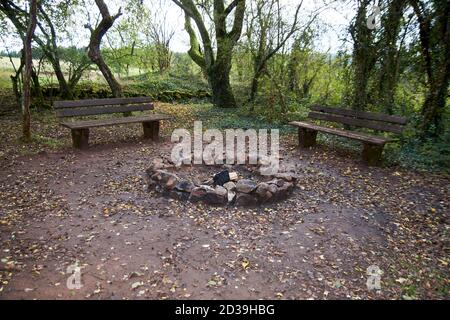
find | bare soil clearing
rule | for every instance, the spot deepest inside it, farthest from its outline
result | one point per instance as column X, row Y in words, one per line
column 59, row 207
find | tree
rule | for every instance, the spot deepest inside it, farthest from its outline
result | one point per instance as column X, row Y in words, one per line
column 94, row 52
column 364, row 55
column 26, row 100
column 267, row 33
column 388, row 75
column 125, row 38
column 304, row 65
column 48, row 14
column 216, row 64
column 434, row 34
column 161, row 35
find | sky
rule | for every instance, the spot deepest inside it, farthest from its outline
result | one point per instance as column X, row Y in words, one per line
column 335, row 19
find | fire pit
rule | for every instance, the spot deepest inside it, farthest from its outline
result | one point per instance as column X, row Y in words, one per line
column 244, row 185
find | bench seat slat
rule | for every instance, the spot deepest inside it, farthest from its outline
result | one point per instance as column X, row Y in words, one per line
column 113, row 121
column 100, row 102
column 361, row 114
column 343, row 133
column 95, row 110
column 376, row 125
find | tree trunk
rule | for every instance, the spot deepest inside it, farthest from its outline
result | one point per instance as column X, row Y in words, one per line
column 219, row 79
column 259, row 67
column 26, row 101
column 434, row 106
column 254, row 88
column 435, row 51
column 16, row 91
column 64, row 89
column 96, row 57
column 362, row 56
column 389, row 61
column 16, row 83
column 94, row 52
column 217, row 67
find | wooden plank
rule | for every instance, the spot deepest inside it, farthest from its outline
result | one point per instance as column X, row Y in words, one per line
column 361, row 114
column 80, row 138
column 99, row 102
column 343, row 133
column 376, row 125
column 113, row 121
column 372, row 154
column 74, row 112
column 306, row 137
column 151, row 130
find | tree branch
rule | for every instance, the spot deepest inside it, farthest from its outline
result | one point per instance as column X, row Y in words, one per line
column 231, row 6
column 235, row 32
column 194, row 52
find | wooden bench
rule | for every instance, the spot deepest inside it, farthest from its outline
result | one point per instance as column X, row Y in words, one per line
column 373, row 144
column 82, row 108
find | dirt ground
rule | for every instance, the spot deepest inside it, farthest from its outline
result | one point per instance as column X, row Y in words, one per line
column 91, row 207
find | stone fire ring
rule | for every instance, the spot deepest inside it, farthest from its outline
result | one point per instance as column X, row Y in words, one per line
column 244, row 192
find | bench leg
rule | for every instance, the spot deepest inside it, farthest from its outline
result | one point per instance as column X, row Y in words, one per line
column 372, row 154
column 306, row 137
column 80, row 138
column 151, row 130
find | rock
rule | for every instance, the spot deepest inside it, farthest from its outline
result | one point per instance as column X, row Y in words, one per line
column 221, row 191
column 151, row 184
column 207, row 188
column 209, row 195
column 273, row 188
column 244, row 199
column 231, row 195
column 196, row 181
column 198, row 193
column 283, row 192
column 157, row 164
column 214, row 198
column 171, row 183
column 246, row 186
column 185, row 186
column 165, row 179
column 149, row 172
column 286, row 176
column 230, row 186
column 263, row 192
column 277, row 182
column 179, row 195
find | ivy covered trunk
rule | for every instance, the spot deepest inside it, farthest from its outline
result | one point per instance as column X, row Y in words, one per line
column 219, row 77
column 219, row 80
column 434, row 106
column 434, row 32
column 363, row 56
column 389, row 71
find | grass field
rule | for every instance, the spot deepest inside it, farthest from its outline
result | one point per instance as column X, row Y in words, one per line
column 46, row 75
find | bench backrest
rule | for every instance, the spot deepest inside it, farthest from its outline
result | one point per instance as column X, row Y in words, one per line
column 370, row 120
column 80, row 108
